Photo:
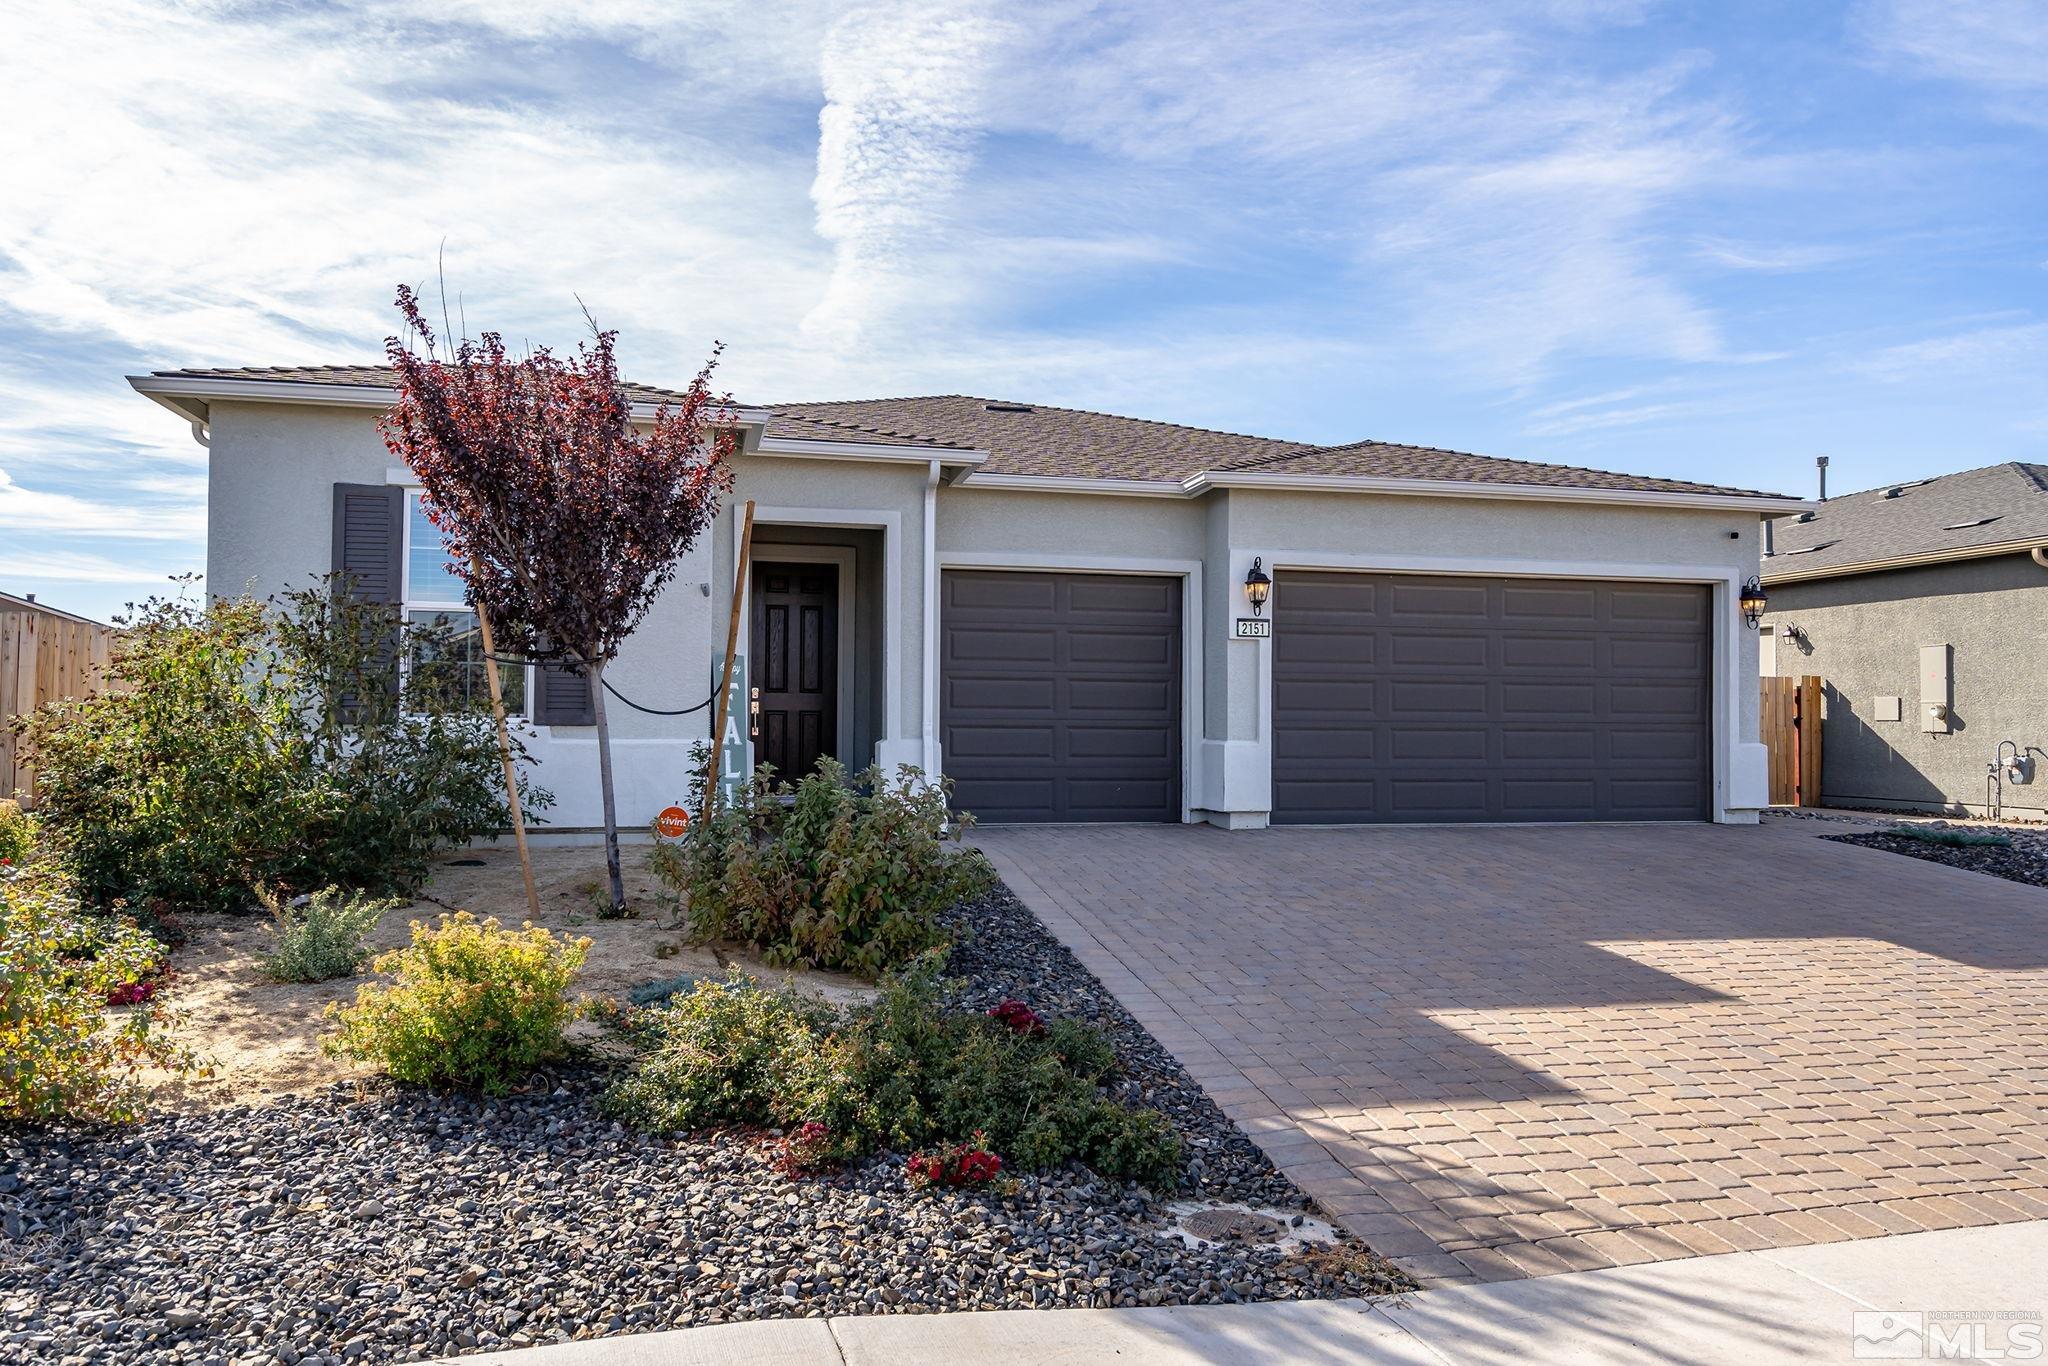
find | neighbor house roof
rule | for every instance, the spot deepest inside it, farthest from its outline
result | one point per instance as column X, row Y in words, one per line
column 1991, row 511
column 1023, row 441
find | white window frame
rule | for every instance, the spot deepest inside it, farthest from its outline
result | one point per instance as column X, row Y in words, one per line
column 408, row 605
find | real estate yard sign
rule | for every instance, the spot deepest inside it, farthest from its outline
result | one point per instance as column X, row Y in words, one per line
column 735, row 750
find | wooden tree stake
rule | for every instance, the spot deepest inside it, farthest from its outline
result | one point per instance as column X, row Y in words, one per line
column 483, row 625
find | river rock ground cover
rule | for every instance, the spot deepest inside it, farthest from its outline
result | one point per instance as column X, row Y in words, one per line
column 366, row 1223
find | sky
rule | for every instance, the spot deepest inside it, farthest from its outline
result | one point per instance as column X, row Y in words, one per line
column 1708, row 240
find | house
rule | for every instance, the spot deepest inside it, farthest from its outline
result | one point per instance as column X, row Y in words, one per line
column 1924, row 608
column 1051, row 607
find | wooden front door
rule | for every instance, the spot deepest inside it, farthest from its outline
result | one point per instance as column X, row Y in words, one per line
column 796, row 665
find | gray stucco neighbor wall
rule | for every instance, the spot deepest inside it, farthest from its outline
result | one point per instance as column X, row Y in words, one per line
column 1862, row 635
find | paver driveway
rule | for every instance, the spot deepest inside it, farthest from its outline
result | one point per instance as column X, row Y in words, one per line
column 1511, row 1051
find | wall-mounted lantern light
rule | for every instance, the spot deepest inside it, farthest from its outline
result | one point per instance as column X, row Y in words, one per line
column 1258, row 586
column 1754, row 600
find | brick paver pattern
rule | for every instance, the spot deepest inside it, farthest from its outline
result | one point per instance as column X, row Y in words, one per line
column 1506, row 1052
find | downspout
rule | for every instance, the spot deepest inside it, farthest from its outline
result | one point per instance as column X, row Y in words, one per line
column 2040, row 555
column 930, row 709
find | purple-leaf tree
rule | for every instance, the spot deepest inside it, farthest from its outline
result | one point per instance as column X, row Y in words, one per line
column 562, row 518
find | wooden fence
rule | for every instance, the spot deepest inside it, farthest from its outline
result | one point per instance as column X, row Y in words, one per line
column 44, row 655
column 1791, row 729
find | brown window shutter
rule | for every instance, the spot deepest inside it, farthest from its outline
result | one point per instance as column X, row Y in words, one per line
column 561, row 698
column 369, row 547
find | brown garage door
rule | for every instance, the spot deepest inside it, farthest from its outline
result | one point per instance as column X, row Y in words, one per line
column 1060, row 695
column 1412, row 698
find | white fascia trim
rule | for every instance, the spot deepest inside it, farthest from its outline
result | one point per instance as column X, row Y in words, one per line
column 163, row 387
column 1458, row 488
column 862, row 450
column 1772, row 578
column 1060, row 483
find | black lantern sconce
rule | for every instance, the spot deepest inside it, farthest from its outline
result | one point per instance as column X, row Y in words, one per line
column 1753, row 600
column 1258, row 586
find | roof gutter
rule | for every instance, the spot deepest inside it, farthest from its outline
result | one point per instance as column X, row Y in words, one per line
column 2032, row 546
column 188, row 397
column 1762, row 503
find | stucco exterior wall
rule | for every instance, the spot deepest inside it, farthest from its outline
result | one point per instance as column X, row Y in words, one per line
column 1862, row 635
column 273, row 466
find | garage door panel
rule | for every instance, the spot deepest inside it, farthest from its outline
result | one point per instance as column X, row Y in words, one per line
column 1421, row 698
column 1588, row 701
column 1000, row 742
column 1546, row 799
column 1554, row 605
column 1441, row 744
column 1081, row 724
column 1437, row 650
column 1458, row 600
column 1673, row 604
column 1569, row 701
column 994, row 645
column 1118, row 647
column 1550, row 654
column 1030, row 593
column 1000, row 693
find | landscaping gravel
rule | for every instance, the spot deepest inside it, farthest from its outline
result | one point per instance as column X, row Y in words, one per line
column 375, row 1224
column 2025, row 861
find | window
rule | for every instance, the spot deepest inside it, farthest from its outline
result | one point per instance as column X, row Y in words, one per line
column 447, row 653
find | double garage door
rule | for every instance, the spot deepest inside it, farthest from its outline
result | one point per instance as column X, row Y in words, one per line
column 1395, row 698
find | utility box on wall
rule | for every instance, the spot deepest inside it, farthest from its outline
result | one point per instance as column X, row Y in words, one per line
column 1935, row 676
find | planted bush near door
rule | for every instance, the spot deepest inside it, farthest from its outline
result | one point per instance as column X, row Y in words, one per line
column 831, row 873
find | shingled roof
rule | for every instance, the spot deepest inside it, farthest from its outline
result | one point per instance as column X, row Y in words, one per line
column 1949, row 517
column 1035, row 440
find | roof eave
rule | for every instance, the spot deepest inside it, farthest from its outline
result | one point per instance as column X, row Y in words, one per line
column 189, row 395
column 1948, row 555
column 1760, row 503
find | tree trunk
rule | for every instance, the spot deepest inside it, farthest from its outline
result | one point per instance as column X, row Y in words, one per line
column 604, row 780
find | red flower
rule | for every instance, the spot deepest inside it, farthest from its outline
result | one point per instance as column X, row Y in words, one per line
column 957, row 1164
column 1019, row 1017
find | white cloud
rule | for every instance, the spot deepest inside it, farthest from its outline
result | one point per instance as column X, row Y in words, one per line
column 1996, row 354
column 29, row 511
column 904, row 83
column 1998, row 43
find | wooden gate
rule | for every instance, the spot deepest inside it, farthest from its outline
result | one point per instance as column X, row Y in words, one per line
column 44, row 655
column 1790, row 723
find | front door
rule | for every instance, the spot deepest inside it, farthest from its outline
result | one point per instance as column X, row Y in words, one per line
column 796, row 665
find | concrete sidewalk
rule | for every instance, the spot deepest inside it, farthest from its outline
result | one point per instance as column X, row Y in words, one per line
column 1742, row 1309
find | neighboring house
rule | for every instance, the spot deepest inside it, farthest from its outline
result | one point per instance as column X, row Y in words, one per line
column 1045, row 605
column 1924, row 608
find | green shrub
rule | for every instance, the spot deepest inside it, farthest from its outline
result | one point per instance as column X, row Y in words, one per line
column 245, row 742
column 62, row 1055
column 17, row 834
column 828, row 874
column 902, row 1073
column 473, row 1005
column 322, row 939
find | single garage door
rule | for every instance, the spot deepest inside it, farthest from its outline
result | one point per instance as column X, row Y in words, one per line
column 1060, row 695
column 1412, row 698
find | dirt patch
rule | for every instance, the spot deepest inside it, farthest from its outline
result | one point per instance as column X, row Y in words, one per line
column 262, row 1038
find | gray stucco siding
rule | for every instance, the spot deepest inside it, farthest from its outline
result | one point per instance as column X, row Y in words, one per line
column 1862, row 635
